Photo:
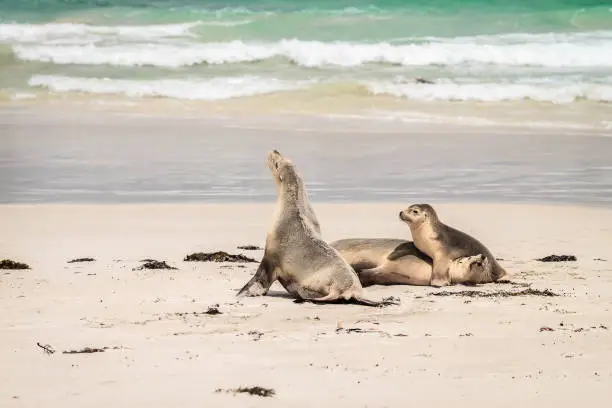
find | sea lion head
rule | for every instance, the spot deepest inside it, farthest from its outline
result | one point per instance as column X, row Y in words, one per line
column 282, row 168
column 474, row 261
column 469, row 268
column 416, row 214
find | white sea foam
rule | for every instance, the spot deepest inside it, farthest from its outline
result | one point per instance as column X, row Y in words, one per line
column 589, row 54
column 495, row 92
column 515, row 38
column 235, row 23
column 22, row 95
column 161, row 55
column 196, row 89
column 34, row 33
column 235, row 87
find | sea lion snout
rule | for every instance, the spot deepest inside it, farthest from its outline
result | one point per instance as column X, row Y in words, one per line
column 479, row 259
column 273, row 159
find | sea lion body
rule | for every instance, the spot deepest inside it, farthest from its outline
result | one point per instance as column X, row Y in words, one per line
column 445, row 244
column 385, row 261
column 389, row 261
column 295, row 254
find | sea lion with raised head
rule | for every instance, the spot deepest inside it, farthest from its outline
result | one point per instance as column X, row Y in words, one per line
column 445, row 244
column 295, row 254
column 388, row 261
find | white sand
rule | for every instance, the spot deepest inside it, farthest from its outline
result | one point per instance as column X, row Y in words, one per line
column 457, row 350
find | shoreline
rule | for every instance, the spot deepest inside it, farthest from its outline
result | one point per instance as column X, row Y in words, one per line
column 270, row 203
column 87, row 156
column 522, row 116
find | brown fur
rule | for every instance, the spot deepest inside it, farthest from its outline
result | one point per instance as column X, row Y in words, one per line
column 445, row 244
column 295, row 254
column 388, row 261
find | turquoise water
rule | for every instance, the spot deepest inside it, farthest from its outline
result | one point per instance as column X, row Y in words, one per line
column 545, row 51
column 327, row 19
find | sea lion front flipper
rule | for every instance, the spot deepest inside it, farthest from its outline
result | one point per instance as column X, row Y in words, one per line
column 260, row 282
column 406, row 249
column 440, row 275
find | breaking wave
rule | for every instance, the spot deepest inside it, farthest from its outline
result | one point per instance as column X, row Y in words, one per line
column 585, row 54
column 220, row 88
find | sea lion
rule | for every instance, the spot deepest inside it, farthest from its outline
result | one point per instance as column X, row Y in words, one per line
column 388, row 261
column 295, row 254
column 385, row 261
column 445, row 244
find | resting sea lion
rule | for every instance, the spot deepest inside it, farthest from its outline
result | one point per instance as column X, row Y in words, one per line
column 445, row 244
column 305, row 265
column 385, row 261
column 388, row 261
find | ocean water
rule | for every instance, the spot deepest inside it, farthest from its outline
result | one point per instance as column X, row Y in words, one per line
column 326, row 56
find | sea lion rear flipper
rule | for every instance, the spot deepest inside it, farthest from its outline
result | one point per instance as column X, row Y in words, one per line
column 375, row 303
column 501, row 275
column 356, row 299
column 260, row 282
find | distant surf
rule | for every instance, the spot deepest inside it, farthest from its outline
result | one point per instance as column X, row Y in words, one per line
column 479, row 51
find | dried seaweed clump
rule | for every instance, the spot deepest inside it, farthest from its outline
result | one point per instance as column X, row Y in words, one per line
column 259, row 391
column 219, row 256
column 250, row 247
column 558, row 258
column 77, row 260
column 501, row 293
column 8, row 264
column 89, row 350
column 153, row 264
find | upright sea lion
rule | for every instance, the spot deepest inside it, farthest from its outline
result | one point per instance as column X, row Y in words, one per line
column 445, row 244
column 388, row 261
column 305, row 265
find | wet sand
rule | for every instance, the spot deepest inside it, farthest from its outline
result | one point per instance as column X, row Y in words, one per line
column 86, row 156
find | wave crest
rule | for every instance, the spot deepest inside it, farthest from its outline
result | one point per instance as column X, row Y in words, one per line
column 319, row 54
column 495, row 92
column 33, row 33
column 243, row 86
column 197, row 89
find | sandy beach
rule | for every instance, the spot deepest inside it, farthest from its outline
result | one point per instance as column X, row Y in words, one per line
column 482, row 351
